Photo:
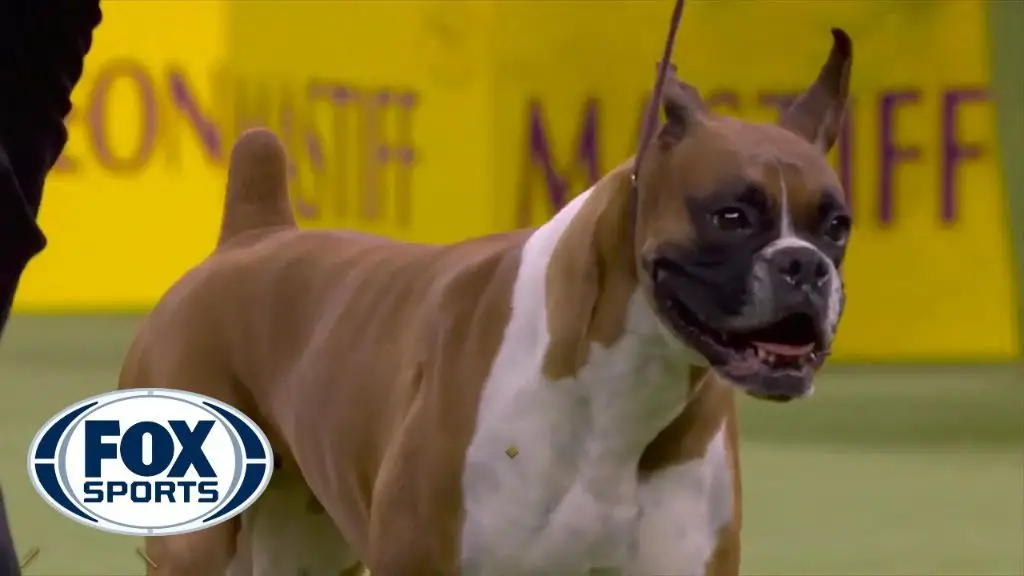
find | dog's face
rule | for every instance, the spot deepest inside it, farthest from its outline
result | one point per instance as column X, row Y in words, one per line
column 741, row 233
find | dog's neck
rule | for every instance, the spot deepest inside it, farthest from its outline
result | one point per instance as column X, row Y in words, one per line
column 612, row 361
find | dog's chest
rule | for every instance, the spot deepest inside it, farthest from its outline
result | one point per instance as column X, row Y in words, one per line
column 551, row 480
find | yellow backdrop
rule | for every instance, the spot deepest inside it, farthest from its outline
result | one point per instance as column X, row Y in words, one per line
column 439, row 120
column 133, row 202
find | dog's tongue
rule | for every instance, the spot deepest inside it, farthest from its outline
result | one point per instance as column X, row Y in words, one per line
column 784, row 349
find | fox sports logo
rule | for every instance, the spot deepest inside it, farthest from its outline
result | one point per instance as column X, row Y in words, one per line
column 150, row 462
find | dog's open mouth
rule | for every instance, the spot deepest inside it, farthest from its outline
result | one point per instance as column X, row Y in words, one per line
column 775, row 361
column 788, row 343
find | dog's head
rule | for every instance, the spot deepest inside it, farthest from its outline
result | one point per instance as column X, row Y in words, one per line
column 742, row 229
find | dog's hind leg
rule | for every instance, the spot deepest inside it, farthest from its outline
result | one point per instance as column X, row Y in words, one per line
column 170, row 350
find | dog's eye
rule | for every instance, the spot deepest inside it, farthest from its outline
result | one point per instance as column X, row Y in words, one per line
column 731, row 219
column 838, row 229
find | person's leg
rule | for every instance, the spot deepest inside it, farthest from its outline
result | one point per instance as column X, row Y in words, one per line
column 42, row 50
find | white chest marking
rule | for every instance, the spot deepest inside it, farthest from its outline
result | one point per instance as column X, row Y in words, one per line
column 570, row 501
column 683, row 509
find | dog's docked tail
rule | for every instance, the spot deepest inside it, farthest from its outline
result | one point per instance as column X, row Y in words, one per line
column 257, row 194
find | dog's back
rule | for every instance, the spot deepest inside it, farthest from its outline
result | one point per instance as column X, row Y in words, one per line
column 319, row 336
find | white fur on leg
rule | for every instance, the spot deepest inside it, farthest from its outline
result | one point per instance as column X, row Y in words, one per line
column 289, row 537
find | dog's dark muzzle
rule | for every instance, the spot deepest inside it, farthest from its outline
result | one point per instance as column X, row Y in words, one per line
column 801, row 277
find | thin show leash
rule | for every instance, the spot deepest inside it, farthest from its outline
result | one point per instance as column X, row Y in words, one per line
column 651, row 114
column 651, row 119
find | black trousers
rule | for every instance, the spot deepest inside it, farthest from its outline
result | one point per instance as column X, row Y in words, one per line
column 43, row 44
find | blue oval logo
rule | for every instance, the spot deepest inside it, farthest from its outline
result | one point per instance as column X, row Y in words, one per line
column 150, row 462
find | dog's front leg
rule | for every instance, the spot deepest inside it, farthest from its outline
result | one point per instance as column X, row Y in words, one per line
column 416, row 507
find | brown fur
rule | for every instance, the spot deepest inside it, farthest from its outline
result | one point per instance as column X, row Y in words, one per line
column 591, row 277
column 283, row 323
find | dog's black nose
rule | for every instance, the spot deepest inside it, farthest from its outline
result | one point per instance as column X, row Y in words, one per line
column 801, row 268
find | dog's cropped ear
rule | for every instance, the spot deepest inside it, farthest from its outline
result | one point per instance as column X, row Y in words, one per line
column 817, row 114
column 682, row 105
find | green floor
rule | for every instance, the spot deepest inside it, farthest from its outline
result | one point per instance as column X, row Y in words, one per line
column 915, row 471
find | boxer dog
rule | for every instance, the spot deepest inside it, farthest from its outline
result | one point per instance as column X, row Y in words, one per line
column 555, row 400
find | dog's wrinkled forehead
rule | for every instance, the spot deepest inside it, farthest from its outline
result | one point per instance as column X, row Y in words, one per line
column 728, row 160
column 698, row 154
column 728, row 156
